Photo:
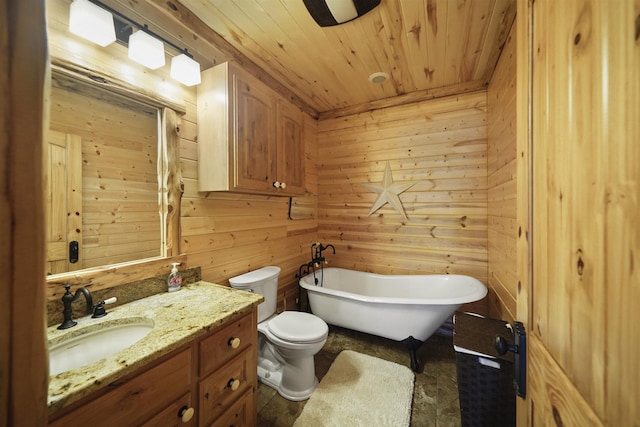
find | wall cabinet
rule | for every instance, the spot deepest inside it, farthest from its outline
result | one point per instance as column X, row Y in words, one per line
column 250, row 139
column 210, row 381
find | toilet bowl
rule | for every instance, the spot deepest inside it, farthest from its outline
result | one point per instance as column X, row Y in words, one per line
column 287, row 342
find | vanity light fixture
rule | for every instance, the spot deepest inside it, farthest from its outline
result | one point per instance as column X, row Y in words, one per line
column 185, row 70
column 91, row 22
column 146, row 50
column 145, row 47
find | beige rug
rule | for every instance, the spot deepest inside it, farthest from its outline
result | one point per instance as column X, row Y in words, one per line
column 360, row 390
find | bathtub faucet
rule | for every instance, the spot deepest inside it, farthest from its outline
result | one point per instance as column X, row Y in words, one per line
column 317, row 259
column 316, row 253
column 304, row 269
column 327, row 247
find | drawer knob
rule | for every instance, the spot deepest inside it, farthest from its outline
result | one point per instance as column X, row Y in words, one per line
column 234, row 342
column 186, row 413
column 233, row 384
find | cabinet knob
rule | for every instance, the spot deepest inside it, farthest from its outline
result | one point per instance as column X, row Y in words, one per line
column 233, row 384
column 276, row 184
column 234, row 342
column 186, row 413
column 283, row 185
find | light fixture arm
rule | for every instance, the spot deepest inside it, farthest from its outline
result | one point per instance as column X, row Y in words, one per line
column 122, row 22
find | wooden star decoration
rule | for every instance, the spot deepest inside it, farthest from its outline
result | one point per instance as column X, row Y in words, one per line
column 388, row 192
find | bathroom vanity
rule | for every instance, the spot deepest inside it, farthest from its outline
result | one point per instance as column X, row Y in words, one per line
column 196, row 367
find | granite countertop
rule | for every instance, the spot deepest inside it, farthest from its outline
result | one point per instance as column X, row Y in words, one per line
column 179, row 318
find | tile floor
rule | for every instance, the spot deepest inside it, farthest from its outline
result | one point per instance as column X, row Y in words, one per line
column 435, row 398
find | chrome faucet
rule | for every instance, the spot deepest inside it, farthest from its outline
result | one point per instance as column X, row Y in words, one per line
column 67, row 299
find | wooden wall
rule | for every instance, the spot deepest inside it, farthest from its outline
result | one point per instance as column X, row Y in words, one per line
column 441, row 147
column 584, row 338
column 23, row 78
column 502, row 185
column 225, row 234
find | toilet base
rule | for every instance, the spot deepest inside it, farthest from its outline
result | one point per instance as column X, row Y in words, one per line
column 294, row 379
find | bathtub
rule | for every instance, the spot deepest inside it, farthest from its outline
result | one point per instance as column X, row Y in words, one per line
column 406, row 308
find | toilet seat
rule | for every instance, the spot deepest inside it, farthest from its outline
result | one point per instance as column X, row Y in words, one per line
column 298, row 327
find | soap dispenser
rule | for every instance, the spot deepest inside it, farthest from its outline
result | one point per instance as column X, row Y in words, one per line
column 175, row 279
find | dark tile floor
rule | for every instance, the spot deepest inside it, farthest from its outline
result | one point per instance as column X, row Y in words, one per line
column 435, row 398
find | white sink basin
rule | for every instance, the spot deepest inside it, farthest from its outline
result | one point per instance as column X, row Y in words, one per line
column 95, row 342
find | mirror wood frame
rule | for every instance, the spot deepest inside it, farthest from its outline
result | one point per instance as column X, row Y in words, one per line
column 172, row 188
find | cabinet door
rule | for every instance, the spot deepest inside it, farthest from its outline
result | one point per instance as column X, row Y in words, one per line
column 290, row 135
column 139, row 399
column 254, row 145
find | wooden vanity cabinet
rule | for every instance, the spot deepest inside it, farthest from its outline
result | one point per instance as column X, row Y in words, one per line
column 250, row 139
column 216, row 375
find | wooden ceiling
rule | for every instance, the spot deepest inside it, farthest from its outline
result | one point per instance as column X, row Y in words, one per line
column 429, row 48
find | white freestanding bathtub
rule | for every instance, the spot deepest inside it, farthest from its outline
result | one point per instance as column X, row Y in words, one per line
column 407, row 308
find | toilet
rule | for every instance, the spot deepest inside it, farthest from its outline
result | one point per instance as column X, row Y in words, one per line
column 287, row 342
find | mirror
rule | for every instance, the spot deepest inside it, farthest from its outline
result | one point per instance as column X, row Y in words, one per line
column 103, row 178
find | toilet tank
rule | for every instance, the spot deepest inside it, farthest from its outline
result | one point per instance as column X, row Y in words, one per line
column 263, row 281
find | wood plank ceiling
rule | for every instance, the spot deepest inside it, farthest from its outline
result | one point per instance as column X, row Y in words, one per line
column 429, row 48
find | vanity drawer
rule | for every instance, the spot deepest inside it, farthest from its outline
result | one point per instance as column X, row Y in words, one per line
column 226, row 385
column 227, row 343
column 240, row 414
column 173, row 415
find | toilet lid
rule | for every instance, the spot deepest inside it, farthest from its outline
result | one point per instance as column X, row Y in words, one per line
column 298, row 327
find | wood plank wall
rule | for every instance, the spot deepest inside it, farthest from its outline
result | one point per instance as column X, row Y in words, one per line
column 441, row 147
column 224, row 234
column 23, row 78
column 584, row 337
column 502, row 185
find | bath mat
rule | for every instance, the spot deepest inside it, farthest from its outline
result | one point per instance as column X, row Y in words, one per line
column 360, row 390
